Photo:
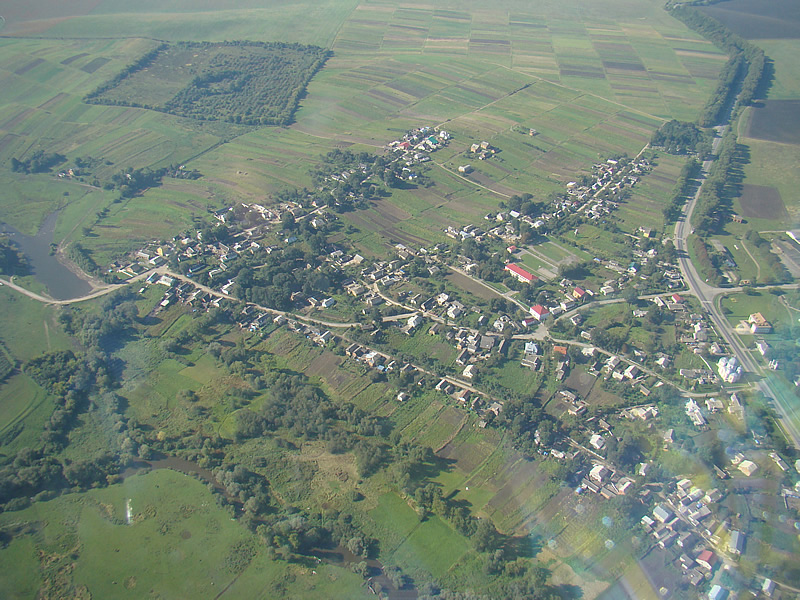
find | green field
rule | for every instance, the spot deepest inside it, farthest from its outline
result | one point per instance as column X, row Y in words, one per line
column 178, row 544
column 487, row 78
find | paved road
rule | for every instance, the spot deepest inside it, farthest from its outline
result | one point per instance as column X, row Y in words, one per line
column 785, row 404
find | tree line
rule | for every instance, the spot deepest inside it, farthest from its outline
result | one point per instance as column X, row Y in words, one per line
column 746, row 62
column 683, row 186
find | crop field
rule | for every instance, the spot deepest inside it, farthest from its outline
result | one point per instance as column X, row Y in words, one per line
column 771, row 168
column 776, row 20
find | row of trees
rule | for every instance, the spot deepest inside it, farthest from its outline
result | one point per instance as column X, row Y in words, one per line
column 709, row 213
column 684, row 184
column 747, row 62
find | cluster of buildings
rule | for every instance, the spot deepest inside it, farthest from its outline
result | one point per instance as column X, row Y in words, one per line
column 416, row 144
column 595, row 198
column 683, row 525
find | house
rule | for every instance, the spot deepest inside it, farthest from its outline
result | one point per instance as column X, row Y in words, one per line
column 519, row 273
column 578, row 293
column 539, row 312
column 736, row 543
column 707, row 559
column 469, row 371
column 327, row 303
column 402, row 397
column 597, row 441
column 687, row 540
column 663, row 514
column 768, row 587
column 718, row 593
column 758, row 324
column 455, row 310
column 598, row 473
column 631, row 372
column 413, row 322
column 531, row 348
column 465, row 169
column 748, row 467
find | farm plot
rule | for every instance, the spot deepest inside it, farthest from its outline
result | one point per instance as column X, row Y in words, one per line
column 775, row 121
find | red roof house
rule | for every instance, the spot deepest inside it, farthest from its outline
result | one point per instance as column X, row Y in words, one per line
column 520, row 273
column 539, row 312
column 707, row 559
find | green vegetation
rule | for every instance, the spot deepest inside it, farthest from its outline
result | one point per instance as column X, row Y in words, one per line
column 307, row 453
column 38, row 162
column 745, row 59
column 250, row 83
column 12, row 261
column 678, row 137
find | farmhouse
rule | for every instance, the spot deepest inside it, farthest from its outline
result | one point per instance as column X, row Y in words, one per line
column 519, row 273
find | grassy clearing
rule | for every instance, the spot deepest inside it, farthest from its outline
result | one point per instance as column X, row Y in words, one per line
column 738, row 307
column 179, row 544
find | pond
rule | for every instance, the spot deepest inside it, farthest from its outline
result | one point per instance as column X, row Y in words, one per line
column 61, row 283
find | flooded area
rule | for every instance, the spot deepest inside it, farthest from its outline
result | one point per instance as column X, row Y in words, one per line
column 61, row 283
column 378, row 583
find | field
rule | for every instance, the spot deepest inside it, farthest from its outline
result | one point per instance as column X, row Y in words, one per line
column 650, row 195
column 775, row 121
column 591, row 87
column 754, row 21
column 177, row 544
column 762, row 202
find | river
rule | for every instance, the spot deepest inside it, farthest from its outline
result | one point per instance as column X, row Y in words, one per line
column 61, row 283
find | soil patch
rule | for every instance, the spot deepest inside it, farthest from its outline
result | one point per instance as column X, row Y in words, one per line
column 623, row 66
column 95, row 64
column 473, row 287
column 24, row 69
column 776, row 121
column 754, row 19
column 72, row 59
column 760, row 201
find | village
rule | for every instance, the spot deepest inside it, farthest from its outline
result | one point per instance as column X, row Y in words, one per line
column 547, row 336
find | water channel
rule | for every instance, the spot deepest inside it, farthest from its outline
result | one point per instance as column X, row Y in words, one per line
column 61, row 283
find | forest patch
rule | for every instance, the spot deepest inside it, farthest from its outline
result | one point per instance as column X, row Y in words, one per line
column 253, row 83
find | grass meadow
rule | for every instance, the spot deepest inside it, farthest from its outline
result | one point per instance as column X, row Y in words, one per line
column 178, row 544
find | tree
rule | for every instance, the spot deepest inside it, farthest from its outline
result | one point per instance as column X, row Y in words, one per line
column 485, row 536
